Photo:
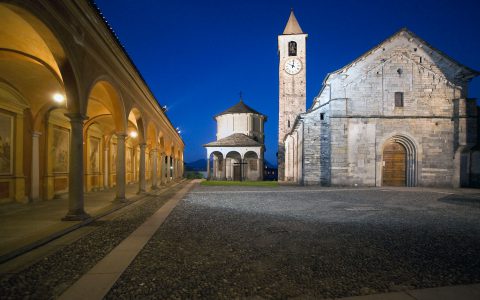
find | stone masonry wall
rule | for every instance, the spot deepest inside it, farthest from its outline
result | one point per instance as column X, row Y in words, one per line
column 292, row 92
column 360, row 117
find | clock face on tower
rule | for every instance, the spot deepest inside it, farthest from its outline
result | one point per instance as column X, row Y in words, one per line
column 293, row 66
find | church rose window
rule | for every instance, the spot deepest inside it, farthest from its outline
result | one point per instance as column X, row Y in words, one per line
column 292, row 48
column 398, row 99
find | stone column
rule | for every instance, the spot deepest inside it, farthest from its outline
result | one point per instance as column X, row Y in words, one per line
column 215, row 168
column 176, row 169
column 224, row 169
column 162, row 168
column 169, row 168
column 35, row 179
column 120, row 175
column 134, row 165
column 260, row 168
column 227, row 168
column 154, row 169
column 105, row 167
column 180, row 168
column 208, row 168
column 242, row 169
column 75, row 175
column 141, row 175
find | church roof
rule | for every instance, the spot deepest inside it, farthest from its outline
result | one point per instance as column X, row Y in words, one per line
column 239, row 108
column 292, row 25
column 409, row 34
column 234, row 140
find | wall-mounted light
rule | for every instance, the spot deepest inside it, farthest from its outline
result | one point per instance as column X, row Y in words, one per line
column 58, row 98
column 133, row 134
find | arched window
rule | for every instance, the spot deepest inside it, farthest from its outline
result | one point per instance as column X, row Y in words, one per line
column 292, row 48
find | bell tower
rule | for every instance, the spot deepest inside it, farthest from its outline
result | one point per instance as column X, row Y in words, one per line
column 292, row 83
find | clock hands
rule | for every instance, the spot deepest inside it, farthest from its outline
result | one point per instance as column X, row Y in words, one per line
column 293, row 66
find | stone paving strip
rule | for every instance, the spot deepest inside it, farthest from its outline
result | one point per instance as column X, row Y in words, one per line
column 48, row 276
column 96, row 283
column 285, row 189
column 459, row 292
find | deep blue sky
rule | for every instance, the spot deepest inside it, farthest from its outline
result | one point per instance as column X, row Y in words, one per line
column 197, row 55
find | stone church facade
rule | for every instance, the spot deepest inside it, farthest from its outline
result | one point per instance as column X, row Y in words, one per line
column 398, row 115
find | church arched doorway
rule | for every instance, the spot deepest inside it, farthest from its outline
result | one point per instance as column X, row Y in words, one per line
column 399, row 162
column 394, row 165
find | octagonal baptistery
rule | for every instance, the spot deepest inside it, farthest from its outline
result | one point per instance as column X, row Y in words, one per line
column 237, row 154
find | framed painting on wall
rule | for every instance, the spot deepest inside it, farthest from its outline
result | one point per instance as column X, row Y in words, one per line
column 60, row 149
column 94, row 154
column 137, row 157
column 113, row 155
column 129, row 159
column 6, row 144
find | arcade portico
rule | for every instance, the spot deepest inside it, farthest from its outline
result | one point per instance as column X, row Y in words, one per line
column 75, row 113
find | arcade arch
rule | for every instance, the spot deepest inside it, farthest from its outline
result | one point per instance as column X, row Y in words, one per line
column 30, row 77
column 63, row 124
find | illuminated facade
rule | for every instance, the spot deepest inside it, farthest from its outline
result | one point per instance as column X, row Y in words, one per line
column 399, row 115
column 237, row 154
column 75, row 114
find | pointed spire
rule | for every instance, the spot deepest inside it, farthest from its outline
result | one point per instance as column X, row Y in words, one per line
column 292, row 25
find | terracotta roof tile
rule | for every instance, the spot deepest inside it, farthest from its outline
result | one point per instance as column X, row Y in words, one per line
column 236, row 139
column 239, row 108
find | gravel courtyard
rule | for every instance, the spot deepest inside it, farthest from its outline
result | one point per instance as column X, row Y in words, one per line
column 224, row 242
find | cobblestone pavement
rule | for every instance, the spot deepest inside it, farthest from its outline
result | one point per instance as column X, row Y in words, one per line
column 226, row 242
column 49, row 277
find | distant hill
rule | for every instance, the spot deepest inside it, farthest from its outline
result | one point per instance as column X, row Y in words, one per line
column 198, row 165
column 270, row 165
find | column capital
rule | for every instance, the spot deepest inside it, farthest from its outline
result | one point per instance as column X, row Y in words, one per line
column 76, row 117
column 36, row 134
column 121, row 135
column 142, row 145
column 154, row 150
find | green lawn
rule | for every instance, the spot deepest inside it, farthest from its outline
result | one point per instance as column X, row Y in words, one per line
column 240, row 183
